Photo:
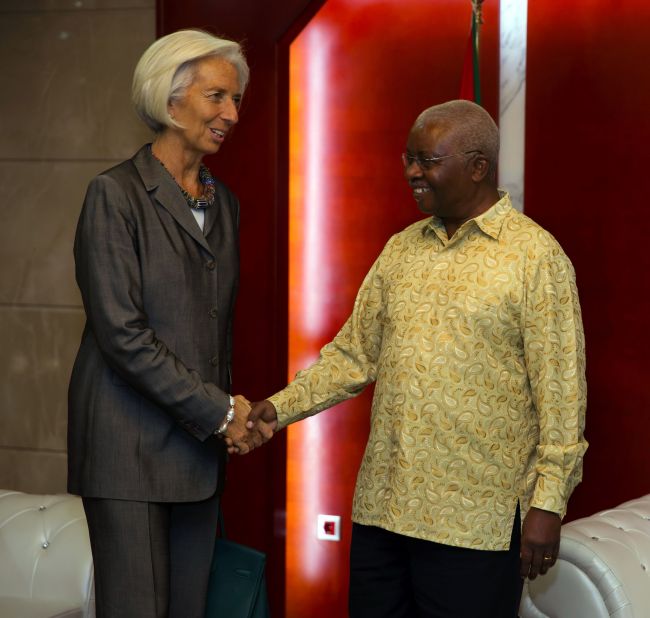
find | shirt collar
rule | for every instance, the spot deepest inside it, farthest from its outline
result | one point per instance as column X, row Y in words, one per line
column 490, row 222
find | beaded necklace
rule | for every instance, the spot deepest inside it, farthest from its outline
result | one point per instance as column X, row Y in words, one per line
column 205, row 178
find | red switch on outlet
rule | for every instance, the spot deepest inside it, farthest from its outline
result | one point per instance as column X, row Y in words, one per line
column 329, row 527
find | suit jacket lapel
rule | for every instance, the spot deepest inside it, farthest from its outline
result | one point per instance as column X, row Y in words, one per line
column 210, row 216
column 166, row 192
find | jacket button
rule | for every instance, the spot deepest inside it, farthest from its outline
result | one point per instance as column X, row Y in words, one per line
column 214, row 361
column 210, row 265
column 213, row 312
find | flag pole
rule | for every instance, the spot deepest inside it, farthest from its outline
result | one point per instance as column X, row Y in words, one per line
column 477, row 22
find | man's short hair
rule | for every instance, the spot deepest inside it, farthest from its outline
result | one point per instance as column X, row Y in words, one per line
column 472, row 128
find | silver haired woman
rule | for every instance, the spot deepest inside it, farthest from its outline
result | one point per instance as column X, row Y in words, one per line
column 156, row 254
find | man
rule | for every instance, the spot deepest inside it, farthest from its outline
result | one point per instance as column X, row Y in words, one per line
column 469, row 322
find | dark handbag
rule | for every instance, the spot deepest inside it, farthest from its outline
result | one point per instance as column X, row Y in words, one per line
column 237, row 586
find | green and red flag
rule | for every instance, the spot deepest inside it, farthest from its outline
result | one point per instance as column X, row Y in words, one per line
column 470, row 85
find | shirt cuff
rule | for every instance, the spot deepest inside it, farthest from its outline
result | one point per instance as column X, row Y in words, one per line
column 548, row 496
column 279, row 403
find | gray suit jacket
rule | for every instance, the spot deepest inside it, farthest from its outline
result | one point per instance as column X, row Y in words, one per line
column 149, row 383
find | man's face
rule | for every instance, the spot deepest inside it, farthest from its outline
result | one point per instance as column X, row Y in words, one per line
column 440, row 187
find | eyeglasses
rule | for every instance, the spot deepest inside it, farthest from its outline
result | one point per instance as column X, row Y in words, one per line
column 426, row 163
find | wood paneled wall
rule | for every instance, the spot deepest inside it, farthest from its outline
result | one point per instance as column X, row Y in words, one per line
column 587, row 137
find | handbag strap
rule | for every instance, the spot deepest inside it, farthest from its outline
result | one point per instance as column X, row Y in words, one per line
column 221, row 526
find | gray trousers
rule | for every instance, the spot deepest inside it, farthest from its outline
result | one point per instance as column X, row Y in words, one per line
column 152, row 560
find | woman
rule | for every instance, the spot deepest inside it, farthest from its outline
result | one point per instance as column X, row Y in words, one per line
column 156, row 255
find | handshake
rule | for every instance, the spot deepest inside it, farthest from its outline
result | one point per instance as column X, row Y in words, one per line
column 253, row 425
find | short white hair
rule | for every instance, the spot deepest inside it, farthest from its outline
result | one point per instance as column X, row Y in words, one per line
column 167, row 68
column 472, row 127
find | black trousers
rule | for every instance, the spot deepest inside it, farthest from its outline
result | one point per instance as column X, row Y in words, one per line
column 395, row 576
column 151, row 560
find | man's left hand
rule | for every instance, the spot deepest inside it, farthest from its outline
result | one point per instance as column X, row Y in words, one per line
column 540, row 542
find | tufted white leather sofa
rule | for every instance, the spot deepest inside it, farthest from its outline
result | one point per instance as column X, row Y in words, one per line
column 46, row 568
column 603, row 568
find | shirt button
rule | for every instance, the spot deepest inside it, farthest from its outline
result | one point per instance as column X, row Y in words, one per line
column 213, row 312
column 214, row 361
column 210, row 265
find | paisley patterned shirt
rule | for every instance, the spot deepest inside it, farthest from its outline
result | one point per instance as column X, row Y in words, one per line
column 477, row 349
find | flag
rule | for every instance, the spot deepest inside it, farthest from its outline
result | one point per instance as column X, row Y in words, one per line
column 470, row 85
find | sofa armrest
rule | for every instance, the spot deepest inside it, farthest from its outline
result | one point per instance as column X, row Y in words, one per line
column 603, row 568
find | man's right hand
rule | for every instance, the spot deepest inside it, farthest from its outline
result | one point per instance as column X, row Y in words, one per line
column 264, row 410
column 250, row 428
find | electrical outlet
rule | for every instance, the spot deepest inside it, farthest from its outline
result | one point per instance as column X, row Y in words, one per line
column 329, row 527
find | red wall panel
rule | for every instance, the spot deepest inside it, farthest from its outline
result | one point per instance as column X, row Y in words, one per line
column 252, row 164
column 587, row 136
column 360, row 74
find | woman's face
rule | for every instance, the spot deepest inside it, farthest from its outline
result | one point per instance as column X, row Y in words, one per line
column 209, row 109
